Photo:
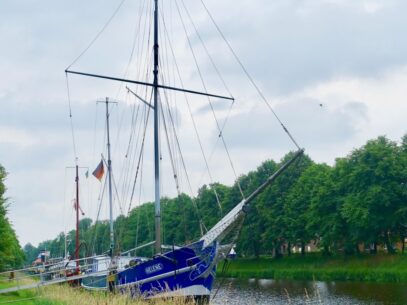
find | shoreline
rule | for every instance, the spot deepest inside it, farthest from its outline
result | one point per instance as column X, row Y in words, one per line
column 362, row 268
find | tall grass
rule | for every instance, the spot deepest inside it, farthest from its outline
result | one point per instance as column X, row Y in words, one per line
column 66, row 295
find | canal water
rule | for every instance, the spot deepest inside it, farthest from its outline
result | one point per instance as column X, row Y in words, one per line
column 278, row 292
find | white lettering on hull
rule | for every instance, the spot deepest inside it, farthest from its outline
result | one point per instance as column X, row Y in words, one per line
column 154, row 268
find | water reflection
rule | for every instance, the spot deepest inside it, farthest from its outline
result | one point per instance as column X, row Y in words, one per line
column 278, row 292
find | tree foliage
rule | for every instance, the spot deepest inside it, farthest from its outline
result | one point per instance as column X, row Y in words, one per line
column 359, row 201
column 11, row 254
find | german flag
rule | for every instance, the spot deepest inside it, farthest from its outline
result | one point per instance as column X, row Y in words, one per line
column 99, row 171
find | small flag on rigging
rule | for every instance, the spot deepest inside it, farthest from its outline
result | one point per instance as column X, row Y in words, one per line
column 99, row 171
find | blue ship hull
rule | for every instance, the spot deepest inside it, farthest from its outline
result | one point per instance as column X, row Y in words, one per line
column 186, row 271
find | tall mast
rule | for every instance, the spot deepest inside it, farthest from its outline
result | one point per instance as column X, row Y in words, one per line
column 77, row 218
column 156, row 107
column 109, row 172
column 156, row 138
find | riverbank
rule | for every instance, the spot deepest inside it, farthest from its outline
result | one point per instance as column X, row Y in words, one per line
column 27, row 297
column 65, row 295
column 366, row 268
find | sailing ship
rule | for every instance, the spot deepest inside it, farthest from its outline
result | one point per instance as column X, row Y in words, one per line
column 188, row 270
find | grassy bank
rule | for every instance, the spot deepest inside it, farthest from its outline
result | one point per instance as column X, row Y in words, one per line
column 372, row 268
column 27, row 297
column 65, row 295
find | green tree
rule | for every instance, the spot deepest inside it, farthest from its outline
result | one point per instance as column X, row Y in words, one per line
column 371, row 183
column 11, row 254
column 30, row 253
column 361, row 199
column 272, row 202
column 251, row 238
column 297, row 206
column 402, row 212
column 324, row 222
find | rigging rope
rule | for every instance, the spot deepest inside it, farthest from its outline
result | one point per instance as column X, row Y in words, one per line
column 139, row 72
column 169, row 95
column 102, row 191
column 206, row 50
column 143, row 123
column 170, row 133
column 140, row 44
column 134, row 163
column 71, row 119
column 178, row 169
column 202, row 225
column 171, row 154
column 248, row 75
column 135, row 43
column 217, row 72
column 191, row 114
column 97, row 35
column 123, row 228
column 139, row 199
column 209, row 101
column 135, row 37
column 128, row 162
column 117, row 194
column 140, row 156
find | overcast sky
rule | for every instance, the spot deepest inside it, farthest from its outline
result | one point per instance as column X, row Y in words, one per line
column 350, row 56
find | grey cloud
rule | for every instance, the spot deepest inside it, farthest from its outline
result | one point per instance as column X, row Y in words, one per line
column 311, row 125
column 217, row 105
column 294, row 44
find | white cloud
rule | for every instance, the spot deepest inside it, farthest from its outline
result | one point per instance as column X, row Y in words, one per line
column 384, row 96
column 16, row 137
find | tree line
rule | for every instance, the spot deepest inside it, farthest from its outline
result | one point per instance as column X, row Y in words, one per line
column 11, row 255
column 359, row 201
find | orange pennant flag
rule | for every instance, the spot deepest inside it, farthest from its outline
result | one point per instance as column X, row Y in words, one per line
column 99, row 171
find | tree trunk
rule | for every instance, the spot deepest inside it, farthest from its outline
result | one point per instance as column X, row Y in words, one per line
column 289, row 249
column 302, row 248
column 390, row 248
column 326, row 251
column 403, row 244
column 277, row 252
column 256, row 249
column 357, row 249
column 375, row 248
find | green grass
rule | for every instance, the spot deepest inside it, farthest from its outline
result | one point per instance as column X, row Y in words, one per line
column 26, row 297
column 372, row 268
